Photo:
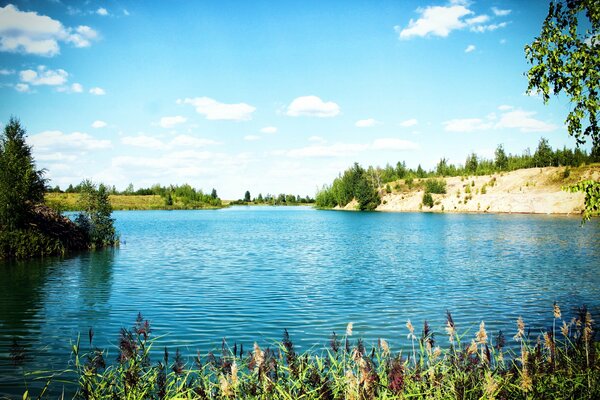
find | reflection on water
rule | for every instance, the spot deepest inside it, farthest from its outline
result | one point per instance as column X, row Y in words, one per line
column 246, row 273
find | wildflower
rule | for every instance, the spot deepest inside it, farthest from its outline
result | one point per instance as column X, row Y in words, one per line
column 349, row 329
column 384, row 347
column 234, row 374
column 587, row 330
column 481, row 336
column 437, row 352
column 258, row 356
column 472, row 349
column 526, row 382
column 556, row 311
column 564, row 329
column 225, row 386
column 396, row 376
column 351, row 386
column 520, row 329
column 491, row 386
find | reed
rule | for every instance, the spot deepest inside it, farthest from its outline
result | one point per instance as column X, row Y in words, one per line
column 476, row 367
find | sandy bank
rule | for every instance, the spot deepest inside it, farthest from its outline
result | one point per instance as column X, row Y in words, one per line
column 532, row 191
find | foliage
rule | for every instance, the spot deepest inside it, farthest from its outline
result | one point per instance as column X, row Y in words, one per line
column 501, row 159
column 592, row 197
column 247, row 197
column 435, row 186
column 26, row 243
column 21, row 185
column 95, row 216
column 427, row 199
column 561, row 363
column 565, row 58
column 355, row 183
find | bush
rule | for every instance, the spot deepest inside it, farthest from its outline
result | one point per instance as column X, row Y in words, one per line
column 427, row 199
column 435, row 186
column 95, row 218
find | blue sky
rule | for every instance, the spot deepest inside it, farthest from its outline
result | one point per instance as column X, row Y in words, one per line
column 267, row 96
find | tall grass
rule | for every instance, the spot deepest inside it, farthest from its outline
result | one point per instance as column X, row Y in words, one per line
column 554, row 365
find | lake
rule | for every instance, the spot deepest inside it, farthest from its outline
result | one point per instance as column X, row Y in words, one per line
column 246, row 273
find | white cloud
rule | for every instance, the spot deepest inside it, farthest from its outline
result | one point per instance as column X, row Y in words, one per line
column 408, row 123
column 102, row 11
column 269, row 129
column 76, row 88
column 436, row 21
column 490, row 27
column 367, row 123
column 31, row 33
column 22, row 87
column 97, row 91
column 523, row 121
column 169, row 122
column 442, row 20
column 214, row 110
column 44, row 76
column 144, row 141
column 7, row 71
column 251, row 138
column 186, row 141
column 98, row 124
column 470, row 48
column 312, row 106
column 317, row 139
column 57, row 140
column 510, row 118
column 500, row 13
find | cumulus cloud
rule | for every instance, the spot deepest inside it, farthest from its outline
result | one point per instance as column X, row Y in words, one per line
column 269, row 129
column 44, row 76
column 31, row 33
column 470, row 48
column 186, row 141
column 76, row 88
column 97, row 91
column 442, row 20
column 366, row 123
column 5, row 71
column 144, row 141
column 408, row 123
column 169, row 122
column 510, row 118
column 57, row 140
column 251, row 138
column 98, row 124
column 214, row 110
column 312, row 106
column 102, row 11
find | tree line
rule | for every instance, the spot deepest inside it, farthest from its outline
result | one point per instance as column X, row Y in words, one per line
column 363, row 185
column 281, row 199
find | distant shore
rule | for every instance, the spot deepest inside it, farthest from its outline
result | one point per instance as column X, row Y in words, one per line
column 525, row 191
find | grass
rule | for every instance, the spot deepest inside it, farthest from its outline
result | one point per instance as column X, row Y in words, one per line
column 68, row 202
column 562, row 363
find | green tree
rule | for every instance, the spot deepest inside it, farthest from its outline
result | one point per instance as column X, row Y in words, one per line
column 366, row 195
column 471, row 163
column 213, row 194
column 21, row 184
column 95, row 216
column 565, row 59
column 247, row 198
column 501, row 160
column 543, row 154
column 427, row 199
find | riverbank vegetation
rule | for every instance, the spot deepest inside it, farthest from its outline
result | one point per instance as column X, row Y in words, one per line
column 366, row 186
column 156, row 197
column 29, row 228
column 561, row 362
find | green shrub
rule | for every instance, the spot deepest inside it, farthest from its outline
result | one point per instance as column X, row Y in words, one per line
column 427, row 199
column 435, row 186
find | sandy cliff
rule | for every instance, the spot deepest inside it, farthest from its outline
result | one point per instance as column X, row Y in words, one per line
column 534, row 190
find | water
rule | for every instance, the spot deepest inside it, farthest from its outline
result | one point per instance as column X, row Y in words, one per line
column 246, row 273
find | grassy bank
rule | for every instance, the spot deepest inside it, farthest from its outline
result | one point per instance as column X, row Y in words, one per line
column 68, row 202
column 560, row 363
